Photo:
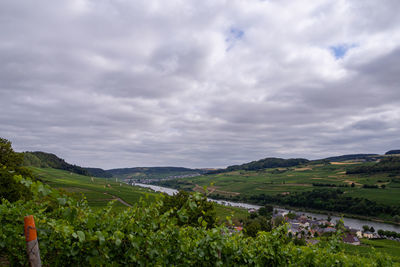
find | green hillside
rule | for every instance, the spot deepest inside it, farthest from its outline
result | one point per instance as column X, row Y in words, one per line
column 48, row 160
column 98, row 191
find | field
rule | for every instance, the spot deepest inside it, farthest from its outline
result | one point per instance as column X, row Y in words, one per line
column 98, row 191
column 296, row 179
column 392, row 248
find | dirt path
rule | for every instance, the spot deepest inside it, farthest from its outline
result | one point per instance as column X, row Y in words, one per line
column 119, row 199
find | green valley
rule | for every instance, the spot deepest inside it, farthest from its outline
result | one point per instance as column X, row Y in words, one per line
column 273, row 184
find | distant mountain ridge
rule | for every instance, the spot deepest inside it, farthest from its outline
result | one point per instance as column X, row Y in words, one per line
column 393, row 152
column 153, row 172
column 98, row 172
column 367, row 157
column 48, row 160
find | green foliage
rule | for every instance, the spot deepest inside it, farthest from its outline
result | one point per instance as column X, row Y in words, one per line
column 10, row 165
column 266, row 210
column 190, row 209
column 291, row 215
column 71, row 234
column 256, row 224
column 260, row 221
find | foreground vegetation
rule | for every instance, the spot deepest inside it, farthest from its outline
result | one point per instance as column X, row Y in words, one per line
column 389, row 247
column 156, row 233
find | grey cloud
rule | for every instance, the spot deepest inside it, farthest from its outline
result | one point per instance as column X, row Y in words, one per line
column 146, row 83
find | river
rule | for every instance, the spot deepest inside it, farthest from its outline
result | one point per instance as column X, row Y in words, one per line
column 352, row 223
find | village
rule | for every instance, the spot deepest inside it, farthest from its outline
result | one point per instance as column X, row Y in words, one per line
column 309, row 229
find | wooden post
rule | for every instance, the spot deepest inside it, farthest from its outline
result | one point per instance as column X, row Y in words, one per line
column 32, row 244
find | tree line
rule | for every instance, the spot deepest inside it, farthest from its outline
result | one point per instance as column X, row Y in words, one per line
column 387, row 164
column 323, row 199
column 263, row 164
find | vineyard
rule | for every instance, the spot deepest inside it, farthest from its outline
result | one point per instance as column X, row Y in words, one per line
column 148, row 234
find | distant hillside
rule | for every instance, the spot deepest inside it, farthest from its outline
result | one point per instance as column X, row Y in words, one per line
column 392, row 152
column 153, row 172
column 97, row 172
column 263, row 164
column 48, row 160
column 366, row 157
column 387, row 164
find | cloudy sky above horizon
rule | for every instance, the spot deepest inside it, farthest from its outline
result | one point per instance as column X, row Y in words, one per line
column 199, row 83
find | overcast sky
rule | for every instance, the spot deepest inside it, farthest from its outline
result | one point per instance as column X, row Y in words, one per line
column 199, row 83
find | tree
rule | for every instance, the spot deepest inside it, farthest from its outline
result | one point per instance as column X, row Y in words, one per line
column 266, row 210
column 365, row 228
column 253, row 226
column 340, row 225
column 10, row 165
column 8, row 158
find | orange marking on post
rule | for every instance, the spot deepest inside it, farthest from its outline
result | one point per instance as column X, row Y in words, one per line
column 30, row 229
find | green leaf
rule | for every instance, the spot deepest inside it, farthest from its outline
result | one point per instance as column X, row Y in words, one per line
column 62, row 201
column 100, row 237
column 81, row 236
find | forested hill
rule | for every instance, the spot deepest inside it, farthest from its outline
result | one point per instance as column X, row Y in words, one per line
column 48, row 160
column 264, row 163
column 367, row 157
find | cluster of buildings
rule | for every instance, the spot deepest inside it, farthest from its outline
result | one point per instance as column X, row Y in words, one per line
column 308, row 228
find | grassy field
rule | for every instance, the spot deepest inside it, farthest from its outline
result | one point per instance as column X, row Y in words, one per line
column 390, row 247
column 296, row 179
